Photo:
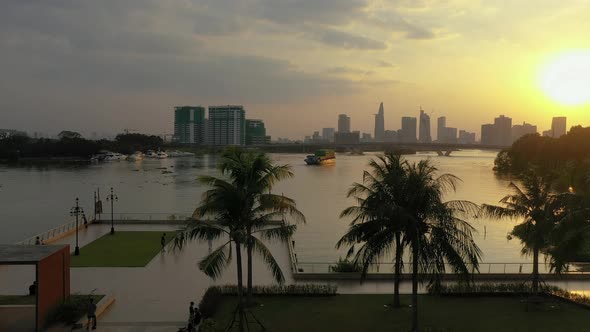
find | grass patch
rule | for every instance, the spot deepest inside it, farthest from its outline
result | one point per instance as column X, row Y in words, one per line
column 17, row 299
column 123, row 249
column 348, row 313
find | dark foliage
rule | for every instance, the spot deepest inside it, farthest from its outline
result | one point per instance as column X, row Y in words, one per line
column 74, row 146
column 545, row 152
column 210, row 302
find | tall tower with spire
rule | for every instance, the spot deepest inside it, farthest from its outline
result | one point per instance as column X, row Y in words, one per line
column 380, row 124
column 424, row 134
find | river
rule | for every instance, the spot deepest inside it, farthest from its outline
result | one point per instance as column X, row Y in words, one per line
column 37, row 198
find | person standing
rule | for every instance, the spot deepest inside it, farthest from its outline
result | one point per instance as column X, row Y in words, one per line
column 191, row 312
column 163, row 241
column 91, row 314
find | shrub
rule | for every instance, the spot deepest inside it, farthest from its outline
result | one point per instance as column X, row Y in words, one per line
column 282, row 290
column 344, row 265
column 507, row 289
column 208, row 325
column 71, row 310
column 210, row 302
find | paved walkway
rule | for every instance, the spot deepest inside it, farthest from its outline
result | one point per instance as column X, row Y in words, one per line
column 156, row 297
column 153, row 298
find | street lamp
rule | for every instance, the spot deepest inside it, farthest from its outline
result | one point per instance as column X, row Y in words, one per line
column 112, row 197
column 76, row 211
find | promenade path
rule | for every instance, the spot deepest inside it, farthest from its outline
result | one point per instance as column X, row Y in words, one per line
column 156, row 297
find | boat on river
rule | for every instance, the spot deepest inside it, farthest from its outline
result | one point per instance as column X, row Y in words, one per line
column 321, row 157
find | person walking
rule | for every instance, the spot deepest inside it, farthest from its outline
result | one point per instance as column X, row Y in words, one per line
column 163, row 241
column 91, row 314
column 37, row 241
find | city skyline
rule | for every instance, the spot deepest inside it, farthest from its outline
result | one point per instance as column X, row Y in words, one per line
column 105, row 66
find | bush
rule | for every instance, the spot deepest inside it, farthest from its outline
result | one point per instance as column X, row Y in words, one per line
column 71, row 310
column 464, row 289
column 282, row 290
column 210, row 302
column 208, row 325
column 344, row 265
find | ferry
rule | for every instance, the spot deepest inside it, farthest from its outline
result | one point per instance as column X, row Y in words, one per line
column 321, row 157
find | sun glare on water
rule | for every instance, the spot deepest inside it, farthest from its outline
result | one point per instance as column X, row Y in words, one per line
column 566, row 79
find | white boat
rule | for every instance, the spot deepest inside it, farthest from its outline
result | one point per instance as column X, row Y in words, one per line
column 138, row 155
column 114, row 156
column 177, row 153
column 100, row 156
column 151, row 154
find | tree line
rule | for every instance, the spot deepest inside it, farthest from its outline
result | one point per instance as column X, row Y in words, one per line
column 566, row 157
column 72, row 145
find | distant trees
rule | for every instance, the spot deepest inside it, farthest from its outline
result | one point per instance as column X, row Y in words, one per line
column 546, row 153
column 66, row 134
column 129, row 143
column 72, row 144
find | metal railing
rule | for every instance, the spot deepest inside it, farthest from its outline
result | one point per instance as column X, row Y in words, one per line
column 484, row 268
column 52, row 233
column 145, row 216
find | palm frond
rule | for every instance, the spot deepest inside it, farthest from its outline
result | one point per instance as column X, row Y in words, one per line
column 214, row 263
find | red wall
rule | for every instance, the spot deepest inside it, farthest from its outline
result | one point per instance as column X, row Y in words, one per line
column 53, row 283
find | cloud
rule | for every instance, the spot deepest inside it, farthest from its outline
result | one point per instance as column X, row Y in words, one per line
column 331, row 12
column 384, row 64
column 344, row 39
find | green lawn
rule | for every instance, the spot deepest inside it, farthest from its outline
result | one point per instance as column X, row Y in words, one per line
column 16, row 299
column 123, row 249
column 30, row 300
column 353, row 313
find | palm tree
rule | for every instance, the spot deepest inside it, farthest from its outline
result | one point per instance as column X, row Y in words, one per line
column 409, row 202
column 241, row 208
column 255, row 174
column 376, row 223
column 437, row 234
column 551, row 223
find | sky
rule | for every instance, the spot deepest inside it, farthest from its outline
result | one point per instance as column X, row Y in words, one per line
column 103, row 66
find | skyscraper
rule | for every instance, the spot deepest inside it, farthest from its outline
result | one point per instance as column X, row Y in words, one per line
column 343, row 123
column 559, row 126
column 379, row 124
column 408, row 131
column 328, row 134
column 424, row 127
column 524, row 129
column 256, row 132
column 487, row 134
column 189, row 124
column 227, row 125
column 503, row 131
column 441, row 123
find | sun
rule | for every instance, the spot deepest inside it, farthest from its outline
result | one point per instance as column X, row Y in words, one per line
column 566, row 79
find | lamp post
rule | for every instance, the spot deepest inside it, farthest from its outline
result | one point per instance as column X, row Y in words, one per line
column 76, row 211
column 112, row 197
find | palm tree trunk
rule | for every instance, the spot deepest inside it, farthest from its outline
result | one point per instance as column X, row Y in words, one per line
column 535, row 270
column 249, row 254
column 415, row 285
column 397, row 272
column 240, row 301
